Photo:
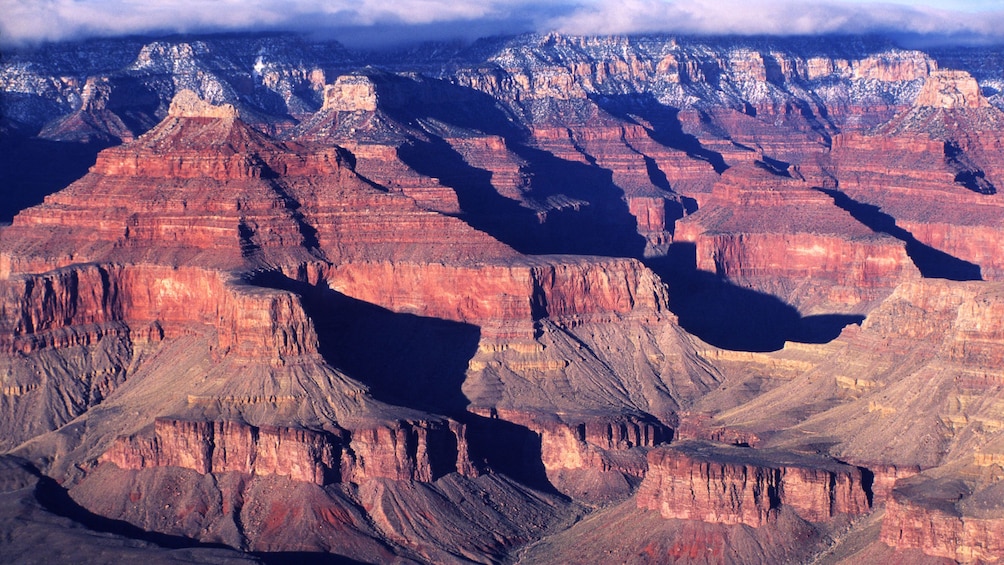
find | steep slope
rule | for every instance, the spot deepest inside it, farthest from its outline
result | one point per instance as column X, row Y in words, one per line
column 923, row 420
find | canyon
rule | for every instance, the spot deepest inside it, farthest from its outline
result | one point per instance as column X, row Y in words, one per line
column 529, row 299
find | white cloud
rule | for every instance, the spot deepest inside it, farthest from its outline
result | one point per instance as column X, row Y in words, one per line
column 32, row 20
column 40, row 20
column 774, row 17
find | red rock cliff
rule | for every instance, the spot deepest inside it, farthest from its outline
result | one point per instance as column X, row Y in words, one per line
column 562, row 288
column 936, row 527
column 66, row 306
column 733, row 485
column 401, row 451
column 773, row 232
column 219, row 447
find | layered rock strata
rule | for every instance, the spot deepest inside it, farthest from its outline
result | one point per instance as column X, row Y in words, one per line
column 220, row 447
column 78, row 304
column 283, row 204
column 401, row 451
column 562, row 288
column 732, row 485
column 920, row 516
column 593, row 457
column 135, row 291
column 775, row 231
column 72, row 336
column 938, row 165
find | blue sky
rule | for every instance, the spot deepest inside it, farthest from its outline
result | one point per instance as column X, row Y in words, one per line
column 41, row 20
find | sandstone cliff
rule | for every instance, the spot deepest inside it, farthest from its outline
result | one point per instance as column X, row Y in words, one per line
column 942, row 532
column 401, row 451
column 275, row 211
column 776, row 232
column 220, row 447
column 731, row 485
column 937, row 165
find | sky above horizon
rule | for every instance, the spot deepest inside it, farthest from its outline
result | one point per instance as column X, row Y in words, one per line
column 380, row 21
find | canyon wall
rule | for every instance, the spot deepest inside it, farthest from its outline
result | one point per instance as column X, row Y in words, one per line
column 733, row 485
column 569, row 289
column 220, row 447
column 939, row 529
column 294, row 265
column 400, row 451
column 775, row 232
column 75, row 305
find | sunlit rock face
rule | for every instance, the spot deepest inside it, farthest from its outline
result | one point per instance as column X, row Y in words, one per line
column 951, row 89
column 731, row 485
column 542, row 297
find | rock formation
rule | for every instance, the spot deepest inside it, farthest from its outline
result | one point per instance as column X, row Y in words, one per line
column 951, row 89
column 939, row 187
column 401, row 451
column 733, row 485
column 776, row 232
column 736, row 300
column 927, row 520
column 222, row 447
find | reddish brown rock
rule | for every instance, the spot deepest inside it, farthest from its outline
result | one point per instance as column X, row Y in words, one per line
column 733, row 485
column 70, row 337
column 701, row 427
column 382, row 164
column 409, row 451
column 885, row 477
column 638, row 163
column 775, row 232
column 491, row 153
column 933, row 171
column 565, row 288
column 570, row 441
column 146, row 251
column 921, row 516
column 62, row 307
column 219, row 193
column 220, row 447
column 402, row 451
column 595, row 458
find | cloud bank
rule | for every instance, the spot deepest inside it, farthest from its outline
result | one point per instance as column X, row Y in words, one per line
column 31, row 21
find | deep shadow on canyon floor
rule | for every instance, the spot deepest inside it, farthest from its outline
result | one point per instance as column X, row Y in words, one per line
column 732, row 317
column 416, row 362
column 32, row 168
